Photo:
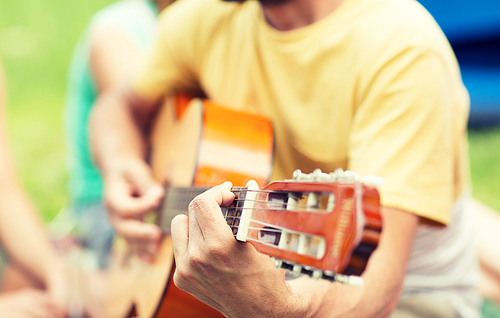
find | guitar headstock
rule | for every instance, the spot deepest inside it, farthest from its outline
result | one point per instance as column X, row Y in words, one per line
column 313, row 224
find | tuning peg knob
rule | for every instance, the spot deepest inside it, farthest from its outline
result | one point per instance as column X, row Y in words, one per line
column 296, row 174
column 278, row 263
column 317, row 274
column 372, row 181
column 296, row 270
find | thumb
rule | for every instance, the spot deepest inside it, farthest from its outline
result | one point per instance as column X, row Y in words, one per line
column 141, row 177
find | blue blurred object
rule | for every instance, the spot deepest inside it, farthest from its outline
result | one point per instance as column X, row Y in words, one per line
column 473, row 29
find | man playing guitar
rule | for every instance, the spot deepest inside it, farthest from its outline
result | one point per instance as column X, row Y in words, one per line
column 367, row 86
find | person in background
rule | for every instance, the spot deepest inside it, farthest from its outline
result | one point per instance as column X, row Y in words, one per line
column 107, row 52
column 33, row 276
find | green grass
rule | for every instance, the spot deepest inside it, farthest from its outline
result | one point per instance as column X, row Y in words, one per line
column 37, row 38
column 484, row 148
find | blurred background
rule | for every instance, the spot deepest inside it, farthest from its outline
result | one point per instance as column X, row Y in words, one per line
column 37, row 38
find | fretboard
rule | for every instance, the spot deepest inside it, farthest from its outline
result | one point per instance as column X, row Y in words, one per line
column 176, row 201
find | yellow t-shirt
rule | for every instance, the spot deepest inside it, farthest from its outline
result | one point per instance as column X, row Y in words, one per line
column 373, row 87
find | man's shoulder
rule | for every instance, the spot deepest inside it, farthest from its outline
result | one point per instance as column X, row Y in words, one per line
column 401, row 23
column 380, row 30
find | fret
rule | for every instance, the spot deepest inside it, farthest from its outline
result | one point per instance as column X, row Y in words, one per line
column 233, row 213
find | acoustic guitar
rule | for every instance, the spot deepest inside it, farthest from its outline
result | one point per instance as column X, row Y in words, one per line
column 321, row 225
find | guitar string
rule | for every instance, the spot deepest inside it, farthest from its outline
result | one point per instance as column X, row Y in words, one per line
column 232, row 218
column 190, row 197
column 227, row 211
column 274, row 191
column 187, row 199
column 282, row 206
column 187, row 190
column 277, row 203
column 272, row 227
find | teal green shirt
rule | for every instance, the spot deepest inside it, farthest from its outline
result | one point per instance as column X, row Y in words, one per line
column 3, row 263
column 136, row 19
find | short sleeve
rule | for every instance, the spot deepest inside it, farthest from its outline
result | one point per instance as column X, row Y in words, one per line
column 403, row 131
column 166, row 67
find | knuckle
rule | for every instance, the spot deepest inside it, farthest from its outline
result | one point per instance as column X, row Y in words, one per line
column 181, row 278
column 200, row 259
column 199, row 203
column 194, row 204
column 196, row 259
column 178, row 220
column 217, row 251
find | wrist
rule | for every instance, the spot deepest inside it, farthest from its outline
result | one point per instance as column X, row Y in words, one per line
column 55, row 271
column 119, row 164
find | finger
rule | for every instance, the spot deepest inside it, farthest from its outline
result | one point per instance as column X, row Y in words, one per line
column 140, row 175
column 120, row 201
column 221, row 194
column 136, row 230
column 206, row 218
column 55, row 311
column 43, row 306
column 252, row 185
column 180, row 237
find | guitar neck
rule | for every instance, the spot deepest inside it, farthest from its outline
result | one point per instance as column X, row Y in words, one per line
column 321, row 228
column 176, row 201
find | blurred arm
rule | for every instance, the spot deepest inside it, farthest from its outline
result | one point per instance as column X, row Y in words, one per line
column 118, row 133
column 114, row 128
column 21, row 231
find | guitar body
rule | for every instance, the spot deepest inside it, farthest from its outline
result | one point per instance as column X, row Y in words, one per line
column 194, row 142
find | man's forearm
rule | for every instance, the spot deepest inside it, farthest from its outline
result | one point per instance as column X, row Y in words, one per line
column 376, row 298
column 24, row 237
column 115, row 133
column 383, row 276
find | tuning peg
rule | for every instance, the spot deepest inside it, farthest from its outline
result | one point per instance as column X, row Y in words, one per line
column 343, row 279
column 349, row 280
column 297, row 174
column 351, row 176
column 317, row 273
column 297, row 269
column 278, row 263
column 372, row 181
